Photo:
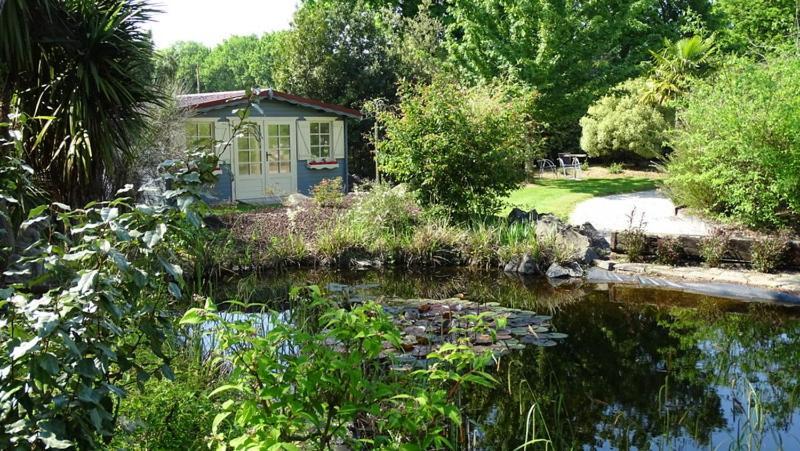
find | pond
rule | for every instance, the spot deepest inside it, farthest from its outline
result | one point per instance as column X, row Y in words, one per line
column 640, row 368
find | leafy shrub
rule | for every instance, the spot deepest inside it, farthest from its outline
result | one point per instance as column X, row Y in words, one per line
column 669, row 250
column 332, row 378
column 167, row 415
column 329, row 192
column 766, row 253
column 634, row 239
column 736, row 149
column 94, row 291
column 621, row 122
column 714, row 247
column 616, row 168
column 463, row 148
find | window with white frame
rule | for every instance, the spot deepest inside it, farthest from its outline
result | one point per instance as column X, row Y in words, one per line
column 249, row 152
column 279, row 149
column 200, row 134
column 320, row 139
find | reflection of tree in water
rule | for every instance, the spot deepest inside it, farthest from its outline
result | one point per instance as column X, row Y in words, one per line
column 643, row 376
column 755, row 354
column 603, row 383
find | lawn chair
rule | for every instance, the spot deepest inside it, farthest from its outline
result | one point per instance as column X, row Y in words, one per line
column 546, row 165
column 574, row 165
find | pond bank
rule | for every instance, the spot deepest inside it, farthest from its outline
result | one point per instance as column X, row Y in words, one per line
column 741, row 285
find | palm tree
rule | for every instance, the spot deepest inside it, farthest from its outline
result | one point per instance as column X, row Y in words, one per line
column 676, row 66
column 83, row 68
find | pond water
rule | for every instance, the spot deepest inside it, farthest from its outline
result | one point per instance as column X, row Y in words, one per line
column 640, row 369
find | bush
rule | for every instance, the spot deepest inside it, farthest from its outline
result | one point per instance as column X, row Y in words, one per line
column 634, row 239
column 462, row 148
column 167, row 415
column 329, row 193
column 669, row 251
column 737, row 149
column 714, row 247
column 621, row 122
column 616, row 168
column 332, row 387
column 767, row 253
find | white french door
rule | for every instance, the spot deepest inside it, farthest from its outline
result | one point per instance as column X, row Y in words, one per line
column 249, row 165
column 281, row 158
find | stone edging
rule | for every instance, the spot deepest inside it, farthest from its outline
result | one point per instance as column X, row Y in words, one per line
column 788, row 282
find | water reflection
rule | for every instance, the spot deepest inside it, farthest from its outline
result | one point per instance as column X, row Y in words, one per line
column 641, row 369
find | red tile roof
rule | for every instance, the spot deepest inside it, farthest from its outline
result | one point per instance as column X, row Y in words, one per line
column 212, row 99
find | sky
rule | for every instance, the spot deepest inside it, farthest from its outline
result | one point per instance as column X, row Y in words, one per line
column 211, row 21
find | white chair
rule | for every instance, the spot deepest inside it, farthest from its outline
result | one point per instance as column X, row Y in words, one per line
column 546, row 165
column 573, row 165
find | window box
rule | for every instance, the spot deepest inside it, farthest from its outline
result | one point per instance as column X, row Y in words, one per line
column 322, row 164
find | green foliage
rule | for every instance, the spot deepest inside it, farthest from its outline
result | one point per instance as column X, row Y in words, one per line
column 767, row 252
column 622, row 122
column 313, row 382
column 328, row 192
column 239, row 62
column 339, row 53
column 83, row 68
column 616, row 168
column 714, row 247
column 570, row 52
column 167, row 415
column 461, row 148
column 676, row 68
column 90, row 293
column 753, row 26
column 737, row 147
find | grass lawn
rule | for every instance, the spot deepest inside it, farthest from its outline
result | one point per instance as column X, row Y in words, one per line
column 559, row 196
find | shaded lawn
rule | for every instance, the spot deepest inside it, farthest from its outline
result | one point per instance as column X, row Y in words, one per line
column 559, row 196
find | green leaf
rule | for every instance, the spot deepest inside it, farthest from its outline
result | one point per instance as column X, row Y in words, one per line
column 24, row 347
column 174, row 290
column 223, row 389
column 219, row 418
column 51, row 441
column 193, row 316
column 36, row 211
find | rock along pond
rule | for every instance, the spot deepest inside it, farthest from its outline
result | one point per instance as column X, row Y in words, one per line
column 632, row 368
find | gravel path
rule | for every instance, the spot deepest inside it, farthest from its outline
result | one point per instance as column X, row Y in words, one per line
column 654, row 209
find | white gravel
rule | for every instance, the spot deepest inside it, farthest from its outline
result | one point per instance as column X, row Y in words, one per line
column 655, row 211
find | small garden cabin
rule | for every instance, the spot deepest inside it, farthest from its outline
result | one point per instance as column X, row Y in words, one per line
column 297, row 143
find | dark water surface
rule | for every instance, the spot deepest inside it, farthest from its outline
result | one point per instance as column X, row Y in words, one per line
column 641, row 369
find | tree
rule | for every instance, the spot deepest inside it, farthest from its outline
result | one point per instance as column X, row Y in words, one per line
column 571, row 52
column 338, row 53
column 756, row 26
column 83, row 69
column 677, row 67
column 462, row 148
column 242, row 62
column 621, row 122
column 737, row 145
column 182, row 62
